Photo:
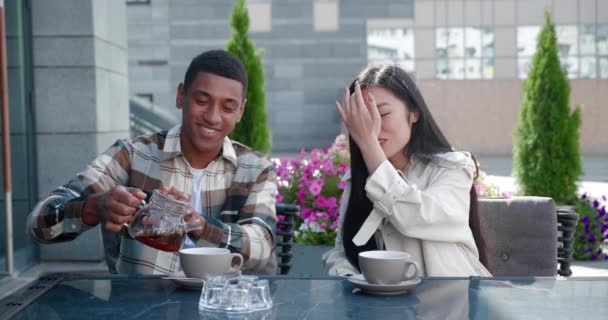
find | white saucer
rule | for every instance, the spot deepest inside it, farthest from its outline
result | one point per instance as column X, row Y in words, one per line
column 180, row 279
column 403, row 287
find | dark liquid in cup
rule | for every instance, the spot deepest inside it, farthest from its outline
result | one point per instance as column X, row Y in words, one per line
column 164, row 242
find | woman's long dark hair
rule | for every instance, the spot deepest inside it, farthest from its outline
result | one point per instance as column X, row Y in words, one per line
column 426, row 140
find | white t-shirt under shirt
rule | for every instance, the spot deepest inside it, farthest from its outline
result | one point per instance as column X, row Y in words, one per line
column 195, row 197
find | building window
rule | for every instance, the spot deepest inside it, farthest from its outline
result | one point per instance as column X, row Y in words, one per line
column 567, row 46
column 129, row 2
column 146, row 96
column 601, row 40
column 390, row 44
column 588, row 64
column 326, row 15
column 583, row 51
column 464, row 53
column 260, row 16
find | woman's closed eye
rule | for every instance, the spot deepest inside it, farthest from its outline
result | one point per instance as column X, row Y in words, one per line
column 384, row 114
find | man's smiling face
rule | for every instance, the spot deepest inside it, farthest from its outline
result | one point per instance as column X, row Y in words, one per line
column 211, row 107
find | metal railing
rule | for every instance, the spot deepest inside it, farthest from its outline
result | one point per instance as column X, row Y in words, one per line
column 147, row 117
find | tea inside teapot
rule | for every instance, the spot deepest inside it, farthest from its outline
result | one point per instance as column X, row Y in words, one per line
column 160, row 224
column 167, row 242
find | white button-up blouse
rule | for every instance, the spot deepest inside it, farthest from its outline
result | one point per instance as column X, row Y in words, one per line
column 424, row 212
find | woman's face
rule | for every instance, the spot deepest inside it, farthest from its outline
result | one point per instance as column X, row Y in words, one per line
column 396, row 125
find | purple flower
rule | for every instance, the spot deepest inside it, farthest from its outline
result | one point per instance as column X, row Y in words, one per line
column 328, row 203
column 323, row 226
column 279, row 198
column 316, row 186
column 591, row 238
column 596, row 204
column 342, row 185
column 305, row 214
column 334, row 225
column 584, row 196
column 301, row 194
column 328, row 165
column 585, row 220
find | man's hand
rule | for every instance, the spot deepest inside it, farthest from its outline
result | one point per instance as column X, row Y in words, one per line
column 114, row 207
column 178, row 195
column 191, row 217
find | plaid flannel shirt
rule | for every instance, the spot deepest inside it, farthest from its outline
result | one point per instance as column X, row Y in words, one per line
column 238, row 191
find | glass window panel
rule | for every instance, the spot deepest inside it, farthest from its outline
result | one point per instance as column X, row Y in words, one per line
column 455, row 42
column 603, row 62
column 523, row 66
column 472, row 43
column 441, row 42
column 587, row 39
column 487, row 42
column 601, row 39
column 588, row 67
column 473, row 68
column 567, row 40
column 456, row 69
column 526, row 40
column 570, row 66
column 390, row 45
column 488, row 68
column 442, row 68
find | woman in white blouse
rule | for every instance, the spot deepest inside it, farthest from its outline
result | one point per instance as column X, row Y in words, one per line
column 407, row 189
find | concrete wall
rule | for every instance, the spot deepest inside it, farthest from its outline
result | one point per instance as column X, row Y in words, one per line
column 307, row 66
column 148, row 37
column 480, row 115
column 305, row 69
column 81, row 96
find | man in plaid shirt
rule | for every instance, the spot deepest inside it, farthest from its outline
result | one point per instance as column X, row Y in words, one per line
column 233, row 187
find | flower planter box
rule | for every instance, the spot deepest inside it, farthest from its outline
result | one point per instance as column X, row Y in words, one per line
column 307, row 259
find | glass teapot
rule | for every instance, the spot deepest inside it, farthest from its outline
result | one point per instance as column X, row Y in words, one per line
column 160, row 224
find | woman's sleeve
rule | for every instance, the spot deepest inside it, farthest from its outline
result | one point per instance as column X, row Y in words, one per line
column 335, row 262
column 440, row 212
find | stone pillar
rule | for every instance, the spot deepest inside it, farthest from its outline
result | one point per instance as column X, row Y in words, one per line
column 80, row 96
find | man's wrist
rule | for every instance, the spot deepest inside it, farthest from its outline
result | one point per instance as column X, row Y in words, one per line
column 89, row 212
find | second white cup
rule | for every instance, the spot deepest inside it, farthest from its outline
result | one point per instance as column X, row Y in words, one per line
column 387, row 267
column 204, row 263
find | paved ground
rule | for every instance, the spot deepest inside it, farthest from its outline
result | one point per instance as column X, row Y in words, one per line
column 590, row 269
column 595, row 168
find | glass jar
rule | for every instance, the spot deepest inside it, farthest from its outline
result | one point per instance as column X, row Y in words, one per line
column 160, row 224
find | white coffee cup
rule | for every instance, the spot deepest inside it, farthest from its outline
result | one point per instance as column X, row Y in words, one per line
column 204, row 263
column 387, row 267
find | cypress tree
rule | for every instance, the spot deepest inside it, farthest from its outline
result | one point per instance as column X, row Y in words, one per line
column 546, row 156
column 252, row 130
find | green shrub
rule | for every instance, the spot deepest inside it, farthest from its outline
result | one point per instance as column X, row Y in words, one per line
column 252, row 130
column 546, row 158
